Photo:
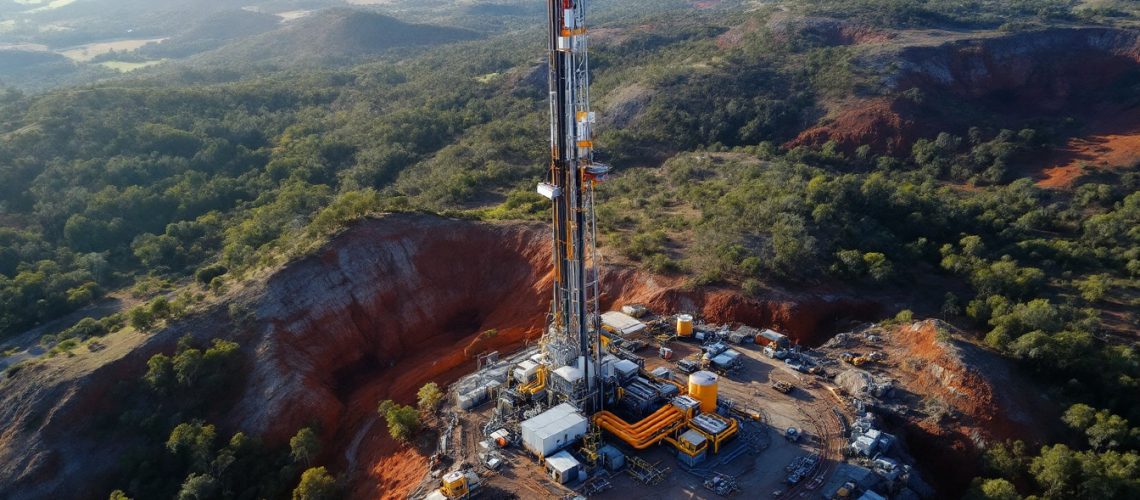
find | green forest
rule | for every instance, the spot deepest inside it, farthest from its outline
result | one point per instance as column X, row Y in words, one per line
column 184, row 184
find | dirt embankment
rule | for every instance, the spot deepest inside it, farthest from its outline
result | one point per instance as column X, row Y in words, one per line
column 997, row 81
column 970, row 397
column 389, row 305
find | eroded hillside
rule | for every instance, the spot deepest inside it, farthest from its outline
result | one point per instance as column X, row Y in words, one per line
column 389, row 305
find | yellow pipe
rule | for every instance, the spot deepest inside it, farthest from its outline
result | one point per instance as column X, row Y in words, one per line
column 647, row 425
column 539, row 383
column 645, row 433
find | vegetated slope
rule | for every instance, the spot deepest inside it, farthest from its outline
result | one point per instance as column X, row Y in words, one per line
column 334, row 36
column 212, row 32
column 33, row 68
column 20, row 60
column 995, row 80
column 387, row 306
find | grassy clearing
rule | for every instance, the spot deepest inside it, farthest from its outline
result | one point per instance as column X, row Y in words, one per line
column 84, row 53
column 127, row 67
column 292, row 15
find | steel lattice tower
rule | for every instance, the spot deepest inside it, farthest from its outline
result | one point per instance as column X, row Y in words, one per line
column 571, row 337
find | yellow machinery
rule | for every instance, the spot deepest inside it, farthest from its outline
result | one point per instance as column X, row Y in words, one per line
column 684, row 325
column 855, row 360
column 687, row 447
column 782, row 386
column 538, row 384
column 455, row 485
column 716, row 439
column 702, row 387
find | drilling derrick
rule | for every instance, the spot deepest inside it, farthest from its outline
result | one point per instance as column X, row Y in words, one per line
column 571, row 338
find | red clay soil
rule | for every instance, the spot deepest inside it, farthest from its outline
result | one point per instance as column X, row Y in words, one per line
column 417, row 314
column 883, row 123
column 999, row 82
column 390, row 304
column 1112, row 143
column 989, row 401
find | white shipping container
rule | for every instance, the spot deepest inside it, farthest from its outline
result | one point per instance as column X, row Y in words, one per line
column 553, row 430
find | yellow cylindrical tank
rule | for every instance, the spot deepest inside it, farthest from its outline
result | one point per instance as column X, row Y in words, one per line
column 684, row 325
column 454, row 485
column 702, row 387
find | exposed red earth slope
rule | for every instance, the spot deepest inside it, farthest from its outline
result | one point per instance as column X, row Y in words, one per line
column 390, row 304
column 988, row 401
column 1003, row 80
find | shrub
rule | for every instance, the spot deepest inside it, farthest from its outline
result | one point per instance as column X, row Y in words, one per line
column 403, row 421
column 316, row 484
column 305, row 446
column 904, row 316
column 429, row 397
column 207, row 274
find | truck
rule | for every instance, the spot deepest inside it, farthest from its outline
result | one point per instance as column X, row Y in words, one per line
column 782, row 386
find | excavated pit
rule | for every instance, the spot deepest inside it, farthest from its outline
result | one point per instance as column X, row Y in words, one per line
column 1009, row 81
column 388, row 305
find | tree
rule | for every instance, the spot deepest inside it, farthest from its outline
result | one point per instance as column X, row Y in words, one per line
column 403, row 421
column 1094, row 288
column 999, row 489
column 160, row 373
column 188, row 366
column 305, row 446
column 316, row 484
column 140, row 318
column 118, row 495
column 1103, row 429
column 193, row 441
column 878, row 267
column 198, row 487
column 429, row 397
column 1007, row 459
column 1057, row 470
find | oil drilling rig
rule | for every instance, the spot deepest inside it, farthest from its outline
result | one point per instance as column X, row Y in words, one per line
column 572, row 338
column 580, row 381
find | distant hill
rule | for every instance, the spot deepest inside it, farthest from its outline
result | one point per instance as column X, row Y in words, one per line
column 28, row 69
column 334, row 36
column 213, row 32
column 12, row 60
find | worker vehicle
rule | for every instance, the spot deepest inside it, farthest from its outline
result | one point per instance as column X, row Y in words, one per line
column 457, row 485
column 688, row 365
column 782, row 386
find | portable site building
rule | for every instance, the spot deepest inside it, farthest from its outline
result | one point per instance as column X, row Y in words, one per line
column 563, row 467
column 552, row 430
column 772, row 337
column 622, row 323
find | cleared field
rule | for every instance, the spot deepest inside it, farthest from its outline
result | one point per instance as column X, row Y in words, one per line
column 127, row 67
column 54, row 4
column 84, row 53
column 292, row 15
column 23, row 46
